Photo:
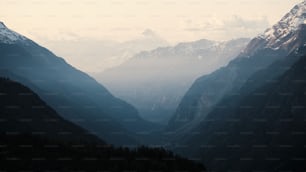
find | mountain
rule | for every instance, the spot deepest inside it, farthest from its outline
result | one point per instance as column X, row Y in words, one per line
column 22, row 111
column 34, row 137
column 274, row 44
column 258, row 128
column 155, row 81
column 72, row 93
column 257, row 123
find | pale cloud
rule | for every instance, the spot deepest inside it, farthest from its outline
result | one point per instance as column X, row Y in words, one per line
column 148, row 33
column 240, row 22
column 229, row 28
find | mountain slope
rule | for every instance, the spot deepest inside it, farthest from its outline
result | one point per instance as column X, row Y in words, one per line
column 34, row 137
column 23, row 112
column 155, row 81
column 258, row 129
column 72, row 93
column 275, row 44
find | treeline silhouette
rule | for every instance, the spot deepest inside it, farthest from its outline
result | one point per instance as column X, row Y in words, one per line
column 29, row 143
column 27, row 152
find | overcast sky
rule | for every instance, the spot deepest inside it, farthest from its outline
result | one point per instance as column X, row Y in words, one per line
column 120, row 20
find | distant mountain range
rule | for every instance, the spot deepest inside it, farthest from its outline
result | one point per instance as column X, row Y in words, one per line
column 95, row 55
column 250, row 115
column 155, row 81
column 73, row 94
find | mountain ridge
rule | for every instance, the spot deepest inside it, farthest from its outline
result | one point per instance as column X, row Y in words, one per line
column 73, row 94
column 249, row 115
column 258, row 120
column 257, row 55
column 9, row 36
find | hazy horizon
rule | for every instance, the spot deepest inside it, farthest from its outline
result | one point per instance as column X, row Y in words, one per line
column 95, row 35
column 174, row 21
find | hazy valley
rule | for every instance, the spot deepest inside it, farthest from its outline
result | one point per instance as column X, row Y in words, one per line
column 203, row 105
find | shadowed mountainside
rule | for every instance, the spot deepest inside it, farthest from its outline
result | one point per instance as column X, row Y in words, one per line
column 34, row 137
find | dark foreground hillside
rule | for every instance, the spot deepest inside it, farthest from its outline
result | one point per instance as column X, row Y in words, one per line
column 34, row 138
column 259, row 130
column 27, row 152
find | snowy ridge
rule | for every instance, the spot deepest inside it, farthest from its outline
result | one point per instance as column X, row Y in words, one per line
column 191, row 49
column 8, row 36
column 277, row 36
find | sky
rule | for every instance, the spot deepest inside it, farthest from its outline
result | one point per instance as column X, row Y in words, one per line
column 123, row 20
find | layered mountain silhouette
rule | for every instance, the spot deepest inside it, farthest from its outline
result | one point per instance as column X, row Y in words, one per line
column 250, row 115
column 72, row 93
column 33, row 137
column 155, row 81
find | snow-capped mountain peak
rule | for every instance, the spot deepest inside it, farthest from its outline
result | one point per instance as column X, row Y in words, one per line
column 279, row 34
column 2, row 25
column 8, row 36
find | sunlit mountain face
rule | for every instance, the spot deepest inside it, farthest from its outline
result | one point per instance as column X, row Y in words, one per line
column 149, row 103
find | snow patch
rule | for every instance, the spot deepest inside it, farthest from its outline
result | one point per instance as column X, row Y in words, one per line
column 8, row 36
column 289, row 24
